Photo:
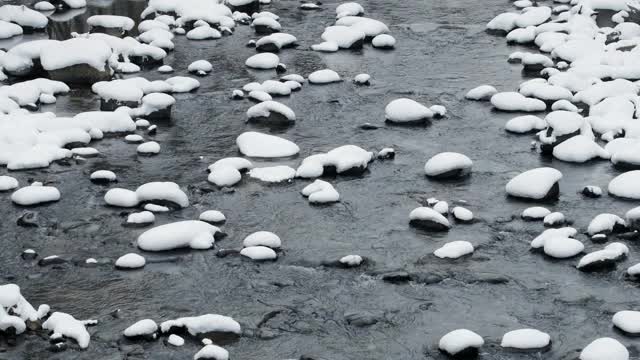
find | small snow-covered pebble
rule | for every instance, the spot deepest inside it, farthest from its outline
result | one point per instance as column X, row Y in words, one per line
column 148, row 148
column 525, row 339
column 592, row 191
column 482, row 92
column 130, row 261
column 462, row 214
column 448, row 165
column 554, row 219
column 454, row 250
column 461, row 341
column 442, row 207
column 407, row 111
column 141, row 328
column 383, row 41
column 8, row 183
column 321, row 192
column 133, row 138
column 175, row 340
column 200, row 67
column 259, row 253
column 362, row 79
column 351, row 260
column 211, row 352
column 143, row 217
column 535, row 213
column 387, row 153
column 121, row 198
column 325, row 76
column 536, row 184
column 212, row 216
column 103, row 176
column 429, row 219
column 165, row 69
column 156, row 208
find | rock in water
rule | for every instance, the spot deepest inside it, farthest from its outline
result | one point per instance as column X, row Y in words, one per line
column 461, row 343
column 428, row 219
column 536, row 184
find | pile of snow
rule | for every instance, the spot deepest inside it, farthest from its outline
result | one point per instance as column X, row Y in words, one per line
column 111, row 22
column 259, row 145
column 190, row 233
column 428, row 219
column 536, row 184
column 346, row 160
column 448, row 165
column 321, row 192
column 35, row 194
column 461, row 342
column 407, row 111
column 454, row 250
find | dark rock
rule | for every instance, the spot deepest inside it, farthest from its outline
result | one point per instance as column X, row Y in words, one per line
column 428, row 225
column 249, row 8
column 58, row 347
column 28, row 219
column 112, row 105
column 452, row 174
column 83, row 74
column 281, row 68
column 362, row 318
column 251, row 43
column 52, row 260
column 226, row 252
column 369, row 126
column 28, row 255
column 591, row 192
column 468, row 353
column 396, row 277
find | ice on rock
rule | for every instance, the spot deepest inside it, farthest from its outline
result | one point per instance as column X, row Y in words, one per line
column 262, row 238
column 67, row 326
column 121, row 198
column 148, row 148
column 604, row 348
column 383, row 41
column 263, row 61
column 321, row 192
column 213, row 217
column 604, row 258
column 428, row 219
column 34, row 195
column 513, row 101
column 481, row 93
column 461, row 342
column 143, row 217
column 606, row 224
column 448, row 165
column 561, row 247
column 211, row 352
column 146, row 327
column 525, row 339
column 579, row 149
column 346, row 160
column 189, row 233
column 627, row 321
column 259, row 145
column 535, row 213
column 271, row 112
column 407, row 111
column 626, row 185
column 273, row 174
column 524, row 124
column 259, row 253
column 454, row 250
column 130, row 261
column 536, row 184
column 8, row 183
column 325, row 76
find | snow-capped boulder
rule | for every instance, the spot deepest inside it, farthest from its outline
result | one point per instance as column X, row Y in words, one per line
column 591, row 191
column 525, row 124
column 579, row 149
column 190, row 233
column 212, row 217
column 259, row 145
column 383, row 41
column 628, row 321
column 8, row 183
column 554, row 219
column 321, row 192
column 34, row 195
column 343, row 37
column 539, row 241
column 606, row 224
column 407, row 111
column 362, row 79
column 110, row 24
column 263, row 61
column 461, row 343
column 207, row 326
column 103, row 177
column 514, row 101
column 536, row 184
column 271, row 113
column 560, row 247
column 275, row 42
column 142, row 328
column 324, row 76
column 604, row 348
column 481, row 93
column 162, row 192
column 262, row 238
column 605, row 258
column 428, row 219
column 454, row 250
column 462, row 214
column 343, row 160
column 448, row 165
column 259, row 253
column 77, row 60
column 626, row 185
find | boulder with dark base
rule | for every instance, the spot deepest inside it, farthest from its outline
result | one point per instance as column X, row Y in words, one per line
column 80, row 74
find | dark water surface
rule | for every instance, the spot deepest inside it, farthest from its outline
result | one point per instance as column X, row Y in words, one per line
column 442, row 52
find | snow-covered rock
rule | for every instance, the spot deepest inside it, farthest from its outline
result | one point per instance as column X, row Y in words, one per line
column 604, row 258
column 461, row 343
column 535, row 213
column 462, row 214
column 324, row 76
column 263, row 61
column 525, row 124
column 383, row 41
column 554, row 219
column 560, row 247
column 481, row 93
column 212, row 352
column 271, row 113
column 345, row 160
column 627, row 321
column 454, row 250
column 202, row 325
column 579, row 149
column 525, row 339
column 536, row 184
column 321, row 192
column 130, row 261
column 262, row 238
column 148, row 148
column 34, row 195
column 212, row 217
column 606, row 224
column 626, row 185
column 273, row 174
column 514, row 101
column 145, row 327
column 67, row 326
column 604, row 348
column 143, row 217
column 259, row 145
column 448, row 165
column 190, row 233
column 428, row 219
column 8, row 183
column 407, row 111
column 259, row 253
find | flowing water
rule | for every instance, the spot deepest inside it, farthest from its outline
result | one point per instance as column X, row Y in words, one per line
column 442, row 52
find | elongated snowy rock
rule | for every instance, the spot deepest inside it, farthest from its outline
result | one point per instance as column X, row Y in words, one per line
column 190, row 233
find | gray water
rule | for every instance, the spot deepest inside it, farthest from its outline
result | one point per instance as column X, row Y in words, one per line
column 442, row 52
